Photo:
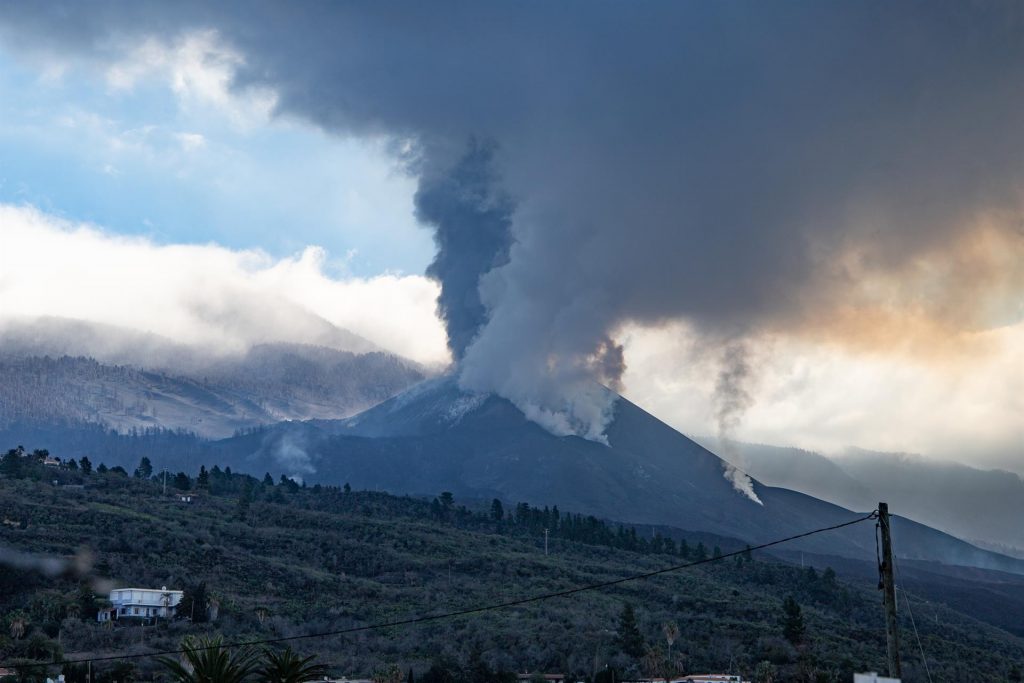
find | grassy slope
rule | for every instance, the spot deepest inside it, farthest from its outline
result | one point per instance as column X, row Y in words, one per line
column 328, row 560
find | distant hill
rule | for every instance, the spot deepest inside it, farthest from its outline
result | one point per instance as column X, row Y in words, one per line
column 268, row 384
column 984, row 506
column 431, row 436
column 59, row 372
column 435, row 436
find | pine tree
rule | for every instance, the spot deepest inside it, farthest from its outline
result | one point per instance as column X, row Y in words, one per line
column 628, row 638
column 144, row 470
column 793, row 623
column 11, row 464
column 497, row 510
column 244, row 500
column 194, row 603
column 85, row 465
column 203, row 480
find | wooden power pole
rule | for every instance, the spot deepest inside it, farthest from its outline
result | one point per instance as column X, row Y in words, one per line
column 892, row 628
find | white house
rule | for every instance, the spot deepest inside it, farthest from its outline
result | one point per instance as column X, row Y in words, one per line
column 872, row 677
column 141, row 603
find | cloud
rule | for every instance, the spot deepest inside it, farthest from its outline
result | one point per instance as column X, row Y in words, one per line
column 199, row 68
column 826, row 398
column 805, row 170
column 207, row 295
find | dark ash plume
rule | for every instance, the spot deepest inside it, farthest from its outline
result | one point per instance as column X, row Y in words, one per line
column 473, row 231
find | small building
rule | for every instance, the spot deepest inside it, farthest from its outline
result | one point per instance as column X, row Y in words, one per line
column 51, row 461
column 548, row 678
column 710, row 678
column 141, row 603
column 872, row 677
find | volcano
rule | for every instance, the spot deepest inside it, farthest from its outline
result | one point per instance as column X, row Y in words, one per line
column 435, row 437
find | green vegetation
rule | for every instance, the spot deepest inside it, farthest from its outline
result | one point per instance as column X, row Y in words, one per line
column 205, row 661
column 262, row 559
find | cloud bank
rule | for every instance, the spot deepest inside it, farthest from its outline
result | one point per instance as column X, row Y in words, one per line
column 205, row 295
column 825, row 397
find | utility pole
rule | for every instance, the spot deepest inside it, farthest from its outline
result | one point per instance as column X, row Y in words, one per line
column 545, row 541
column 892, row 629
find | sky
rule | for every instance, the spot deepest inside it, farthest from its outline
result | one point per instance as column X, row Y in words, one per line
column 800, row 228
column 154, row 144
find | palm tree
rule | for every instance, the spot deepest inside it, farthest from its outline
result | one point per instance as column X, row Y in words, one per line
column 18, row 624
column 287, row 667
column 671, row 631
column 165, row 600
column 207, row 660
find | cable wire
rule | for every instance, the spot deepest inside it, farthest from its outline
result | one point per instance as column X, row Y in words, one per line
column 447, row 615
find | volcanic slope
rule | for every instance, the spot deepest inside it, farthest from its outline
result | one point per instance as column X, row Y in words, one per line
column 435, row 437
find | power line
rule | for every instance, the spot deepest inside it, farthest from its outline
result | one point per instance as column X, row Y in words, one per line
column 450, row 615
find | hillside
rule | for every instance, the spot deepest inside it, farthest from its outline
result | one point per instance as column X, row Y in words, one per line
column 291, row 560
column 267, row 384
column 983, row 506
column 435, row 436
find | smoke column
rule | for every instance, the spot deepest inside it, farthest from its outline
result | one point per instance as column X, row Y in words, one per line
column 731, row 400
column 472, row 225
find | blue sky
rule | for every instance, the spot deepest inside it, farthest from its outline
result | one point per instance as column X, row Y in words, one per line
column 158, row 146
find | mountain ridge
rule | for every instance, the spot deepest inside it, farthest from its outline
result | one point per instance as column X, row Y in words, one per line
column 437, row 436
column 984, row 505
column 268, row 384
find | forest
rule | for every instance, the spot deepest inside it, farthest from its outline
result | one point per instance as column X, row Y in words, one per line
column 270, row 558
